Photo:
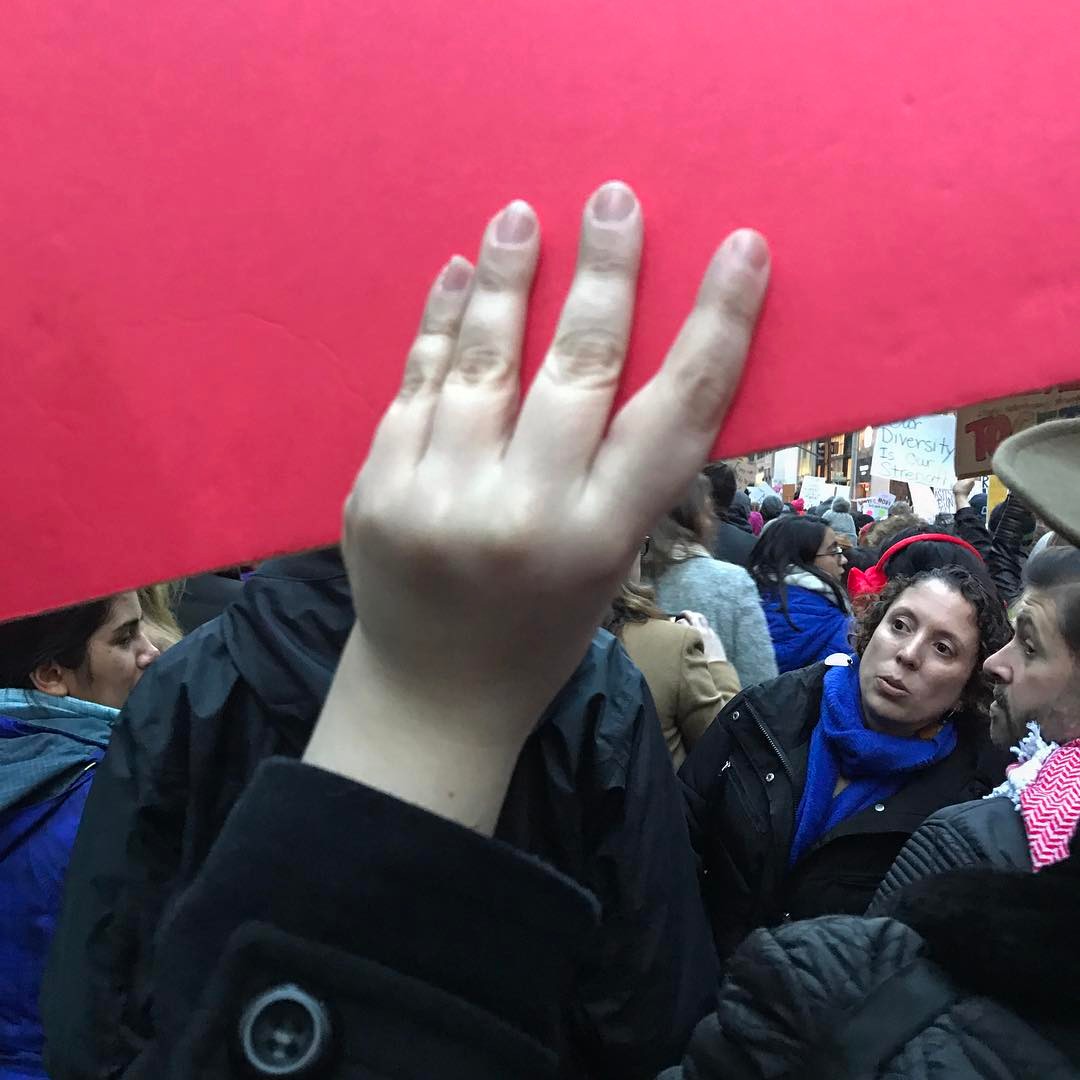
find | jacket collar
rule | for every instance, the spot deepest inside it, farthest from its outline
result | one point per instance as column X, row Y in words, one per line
column 47, row 740
column 803, row 579
column 67, row 714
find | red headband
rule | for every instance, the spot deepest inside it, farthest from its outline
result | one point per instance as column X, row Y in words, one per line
column 872, row 581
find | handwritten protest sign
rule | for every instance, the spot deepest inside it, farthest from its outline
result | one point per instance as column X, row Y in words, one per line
column 219, row 222
column 816, row 489
column 877, row 506
column 946, row 500
column 980, row 429
column 919, row 451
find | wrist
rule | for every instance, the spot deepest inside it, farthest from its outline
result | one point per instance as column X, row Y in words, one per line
column 426, row 745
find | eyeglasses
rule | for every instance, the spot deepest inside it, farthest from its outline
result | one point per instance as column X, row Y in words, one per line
column 835, row 552
column 645, row 545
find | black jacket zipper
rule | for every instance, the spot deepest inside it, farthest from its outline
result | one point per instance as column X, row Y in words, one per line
column 775, row 747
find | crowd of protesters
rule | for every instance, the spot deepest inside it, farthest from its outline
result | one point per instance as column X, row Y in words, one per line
column 544, row 774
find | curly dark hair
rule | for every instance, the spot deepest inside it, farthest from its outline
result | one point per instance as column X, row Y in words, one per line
column 993, row 626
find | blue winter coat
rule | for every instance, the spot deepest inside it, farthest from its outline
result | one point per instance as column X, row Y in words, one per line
column 820, row 627
column 48, row 749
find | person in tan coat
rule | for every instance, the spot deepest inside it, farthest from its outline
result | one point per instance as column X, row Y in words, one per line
column 683, row 661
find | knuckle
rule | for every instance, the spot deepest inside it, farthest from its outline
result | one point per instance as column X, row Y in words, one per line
column 480, row 362
column 608, row 262
column 587, row 354
column 704, row 386
column 501, row 270
column 425, row 365
column 608, row 253
column 738, row 306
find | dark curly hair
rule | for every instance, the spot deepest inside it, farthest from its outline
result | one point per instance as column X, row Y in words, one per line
column 993, row 627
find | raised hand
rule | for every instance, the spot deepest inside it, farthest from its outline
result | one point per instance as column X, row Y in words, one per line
column 483, row 540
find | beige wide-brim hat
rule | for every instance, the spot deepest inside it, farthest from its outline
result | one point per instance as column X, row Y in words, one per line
column 1042, row 465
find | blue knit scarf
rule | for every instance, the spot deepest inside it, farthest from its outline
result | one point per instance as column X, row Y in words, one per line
column 842, row 745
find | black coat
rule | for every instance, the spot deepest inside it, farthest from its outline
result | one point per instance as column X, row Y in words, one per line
column 743, row 782
column 733, row 544
column 983, row 833
column 593, row 792
column 1000, row 942
column 418, row 949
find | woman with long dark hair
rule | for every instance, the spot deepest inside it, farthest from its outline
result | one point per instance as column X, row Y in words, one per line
column 797, row 565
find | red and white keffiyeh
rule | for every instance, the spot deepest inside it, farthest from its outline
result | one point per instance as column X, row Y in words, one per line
column 1044, row 785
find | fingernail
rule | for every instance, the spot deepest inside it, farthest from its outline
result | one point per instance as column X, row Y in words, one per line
column 456, row 275
column 613, row 202
column 516, row 224
column 751, row 248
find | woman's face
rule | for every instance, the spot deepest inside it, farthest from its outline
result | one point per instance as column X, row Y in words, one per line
column 116, row 656
column 830, row 557
column 919, row 659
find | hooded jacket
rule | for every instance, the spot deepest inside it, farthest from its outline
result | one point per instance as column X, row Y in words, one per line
column 814, row 625
column 49, row 747
column 593, row 792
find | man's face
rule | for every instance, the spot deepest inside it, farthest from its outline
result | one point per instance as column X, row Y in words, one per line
column 1037, row 677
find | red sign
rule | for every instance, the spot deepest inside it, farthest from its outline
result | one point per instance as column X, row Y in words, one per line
column 219, row 221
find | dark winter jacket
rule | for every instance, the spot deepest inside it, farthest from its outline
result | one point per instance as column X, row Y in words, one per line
column 743, row 782
column 983, row 833
column 204, row 597
column 812, row 628
column 1000, row 552
column 593, row 792
column 733, row 544
column 974, row 979
column 49, row 748
column 464, row 947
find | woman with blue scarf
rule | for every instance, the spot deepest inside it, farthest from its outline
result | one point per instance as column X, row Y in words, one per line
column 805, row 788
column 64, row 677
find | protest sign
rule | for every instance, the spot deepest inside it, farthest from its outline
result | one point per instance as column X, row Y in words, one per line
column 980, row 429
column 877, row 506
column 815, row 489
column 917, row 451
column 219, row 222
column 922, row 501
column 946, row 500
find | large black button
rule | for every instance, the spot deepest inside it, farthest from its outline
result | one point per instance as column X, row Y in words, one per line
column 284, row 1032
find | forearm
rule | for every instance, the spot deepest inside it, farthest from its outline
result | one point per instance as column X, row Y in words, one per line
column 420, row 743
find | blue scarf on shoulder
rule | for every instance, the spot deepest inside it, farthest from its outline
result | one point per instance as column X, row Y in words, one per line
column 842, row 745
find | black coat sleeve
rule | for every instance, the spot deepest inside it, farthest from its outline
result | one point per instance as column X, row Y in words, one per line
column 653, row 970
column 422, row 949
column 1000, row 552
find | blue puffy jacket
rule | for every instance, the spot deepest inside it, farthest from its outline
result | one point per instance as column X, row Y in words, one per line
column 49, row 748
column 820, row 627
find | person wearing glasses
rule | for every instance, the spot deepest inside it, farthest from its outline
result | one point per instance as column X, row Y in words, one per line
column 682, row 658
column 798, row 566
